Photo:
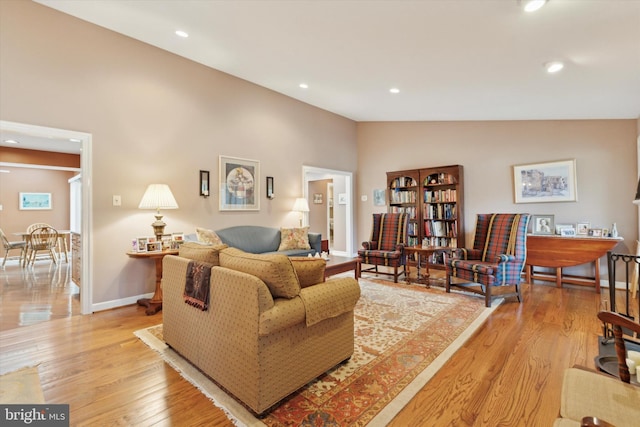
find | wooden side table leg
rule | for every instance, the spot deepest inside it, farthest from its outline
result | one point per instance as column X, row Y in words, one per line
column 559, row 277
column 528, row 270
column 154, row 304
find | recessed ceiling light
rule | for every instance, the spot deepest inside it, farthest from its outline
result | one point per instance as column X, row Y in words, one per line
column 182, row 34
column 533, row 5
column 554, row 67
column 394, row 90
column 75, row 140
column 4, row 171
column 10, row 141
column 304, row 85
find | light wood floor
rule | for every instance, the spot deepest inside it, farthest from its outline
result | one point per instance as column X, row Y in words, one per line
column 508, row 374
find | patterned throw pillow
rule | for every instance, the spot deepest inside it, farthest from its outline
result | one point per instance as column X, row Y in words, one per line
column 208, row 236
column 294, row 238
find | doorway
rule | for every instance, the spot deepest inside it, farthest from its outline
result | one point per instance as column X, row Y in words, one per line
column 340, row 206
column 53, row 134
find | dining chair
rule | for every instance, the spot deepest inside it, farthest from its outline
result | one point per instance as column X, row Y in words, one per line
column 30, row 228
column 42, row 239
column 9, row 246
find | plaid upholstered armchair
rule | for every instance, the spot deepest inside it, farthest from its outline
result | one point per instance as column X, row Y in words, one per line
column 386, row 246
column 497, row 258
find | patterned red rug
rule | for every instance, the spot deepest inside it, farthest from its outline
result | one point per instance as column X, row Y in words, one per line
column 404, row 334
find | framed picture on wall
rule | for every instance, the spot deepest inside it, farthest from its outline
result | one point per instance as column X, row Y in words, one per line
column 545, row 182
column 317, row 198
column 239, row 184
column 35, row 201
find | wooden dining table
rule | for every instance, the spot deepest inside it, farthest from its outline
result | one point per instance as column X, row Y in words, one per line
column 63, row 246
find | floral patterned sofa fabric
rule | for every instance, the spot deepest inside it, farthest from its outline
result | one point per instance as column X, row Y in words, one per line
column 258, row 346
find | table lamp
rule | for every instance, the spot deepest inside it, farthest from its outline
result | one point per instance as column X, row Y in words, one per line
column 301, row 206
column 158, row 196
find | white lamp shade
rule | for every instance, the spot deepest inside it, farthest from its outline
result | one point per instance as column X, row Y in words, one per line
column 301, row 205
column 158, row 196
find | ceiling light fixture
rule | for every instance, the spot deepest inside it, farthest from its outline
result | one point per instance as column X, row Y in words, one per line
column 533, row 5
column 182, row 34
column 394, row 90
column 554, row 66
column 10, row 141
column 304, row 86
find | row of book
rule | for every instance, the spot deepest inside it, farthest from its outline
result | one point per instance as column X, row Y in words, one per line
column 439, row 178
column 439, row 196
column 450, row 242
column 411, row 210
column 440, row 229
column 403, row 181
column 403, row 196
column 443, row 211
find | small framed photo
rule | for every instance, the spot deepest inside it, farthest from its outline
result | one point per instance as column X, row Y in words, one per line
column 542, row 224
column 317, row 198
column 560, row 227
column 142, row 244
column 154, row 246
column 166, row 241
column 595, row 232
column 178, row 237
column 582, row 228
column 568, row 232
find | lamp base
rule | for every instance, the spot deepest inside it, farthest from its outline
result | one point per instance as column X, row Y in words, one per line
column 158, row 227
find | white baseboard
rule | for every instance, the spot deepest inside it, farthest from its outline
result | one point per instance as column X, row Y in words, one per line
column 107, row 305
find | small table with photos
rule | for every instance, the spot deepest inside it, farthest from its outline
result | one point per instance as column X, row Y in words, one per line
column 153, row 304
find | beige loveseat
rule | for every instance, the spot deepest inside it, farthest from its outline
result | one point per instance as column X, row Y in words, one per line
column 272, row 325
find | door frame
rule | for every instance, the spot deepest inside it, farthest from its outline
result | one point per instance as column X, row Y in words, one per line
column 86, row 290
column 312, row 173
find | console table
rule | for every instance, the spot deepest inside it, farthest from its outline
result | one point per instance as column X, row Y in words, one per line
column 554, row 251
column 154, row 304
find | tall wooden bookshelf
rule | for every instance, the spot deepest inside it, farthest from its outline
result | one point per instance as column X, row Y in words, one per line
column 434, row 198
column 404, row 196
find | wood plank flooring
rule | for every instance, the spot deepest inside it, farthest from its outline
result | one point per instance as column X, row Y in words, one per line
column 508, row 374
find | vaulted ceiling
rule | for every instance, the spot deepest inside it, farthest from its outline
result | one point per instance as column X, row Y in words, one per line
column 449, row 59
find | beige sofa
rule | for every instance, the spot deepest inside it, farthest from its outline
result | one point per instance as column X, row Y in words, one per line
column 272, row 325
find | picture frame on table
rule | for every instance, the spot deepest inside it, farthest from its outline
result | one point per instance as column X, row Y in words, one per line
column 239, row 184
column 542, row 224
column 154, row 246
column 142, row 244
column 595, row 232
column 35, row 202
column 568, row 232
column 545, row 182
column 560, row 227
column 582, row 228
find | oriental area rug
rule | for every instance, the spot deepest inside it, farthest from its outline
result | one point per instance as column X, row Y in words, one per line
column 403, row 335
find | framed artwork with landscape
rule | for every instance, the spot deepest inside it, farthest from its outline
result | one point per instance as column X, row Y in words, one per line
column 239, row 184
column 35, row 201
column 545, row 182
